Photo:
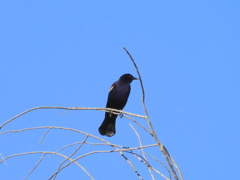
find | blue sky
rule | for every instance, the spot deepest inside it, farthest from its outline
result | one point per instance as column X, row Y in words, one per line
column 68, row 54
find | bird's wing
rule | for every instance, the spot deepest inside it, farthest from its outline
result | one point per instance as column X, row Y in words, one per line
column 111, row 96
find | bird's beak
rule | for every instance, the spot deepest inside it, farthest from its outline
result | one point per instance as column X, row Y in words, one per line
column 135, row 78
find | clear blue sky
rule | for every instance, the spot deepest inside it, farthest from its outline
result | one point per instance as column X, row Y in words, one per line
column 68, row 53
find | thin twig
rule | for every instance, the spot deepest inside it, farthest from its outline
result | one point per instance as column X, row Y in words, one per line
column 49, row 152
column 175, row 164
column 145, row 162
column 3, row 159
column 44, row 136
column 143, row 153
column 40, row 160
column 71, row 155
column 94, row 152
column 74, row 130
column 139, row 124
column 169, row 173
column 132, row 166
column 37, row 152
column 65, row 111
column 108, row 151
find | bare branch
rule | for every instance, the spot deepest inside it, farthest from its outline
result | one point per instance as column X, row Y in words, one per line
column 49, row 152
column 132, row 166
column 3, row 159
column 74, row 130
column 175, row 164
column 149, row 122
column 139, row 124
column 160, row 163
column 35, row 166
column 71, row 155
column 73, row 108
column 143, row 153
column 44, row 136
column 141, row 159
column 94, row 152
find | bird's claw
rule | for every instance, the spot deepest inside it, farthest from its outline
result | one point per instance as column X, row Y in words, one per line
column 120, row 115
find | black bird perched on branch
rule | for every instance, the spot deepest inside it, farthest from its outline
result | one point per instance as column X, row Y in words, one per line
column 117, row 99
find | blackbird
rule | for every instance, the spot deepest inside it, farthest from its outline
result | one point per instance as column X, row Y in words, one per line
column 117, row 99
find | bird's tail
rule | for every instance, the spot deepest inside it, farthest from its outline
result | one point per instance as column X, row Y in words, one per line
column 108, row 126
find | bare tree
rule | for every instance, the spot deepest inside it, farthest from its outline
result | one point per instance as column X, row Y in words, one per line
column 143, row 157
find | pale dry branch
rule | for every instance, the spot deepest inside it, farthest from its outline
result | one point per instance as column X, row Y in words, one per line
column 169, row 173
column 74, row 130
column 144, row 161
column 143, row 153
column 149, row 122
column 132, row 166
column 73, row 108
column 69, row 146
column 3, row 159
column 40, row 160
column 48, row 152
column 176, row 166
column 71, row 155
column 44, row 136
column 139, row 124
column 94, row 152
column 159, row 173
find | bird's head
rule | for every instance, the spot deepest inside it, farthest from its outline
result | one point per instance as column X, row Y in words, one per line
column 127, row 77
